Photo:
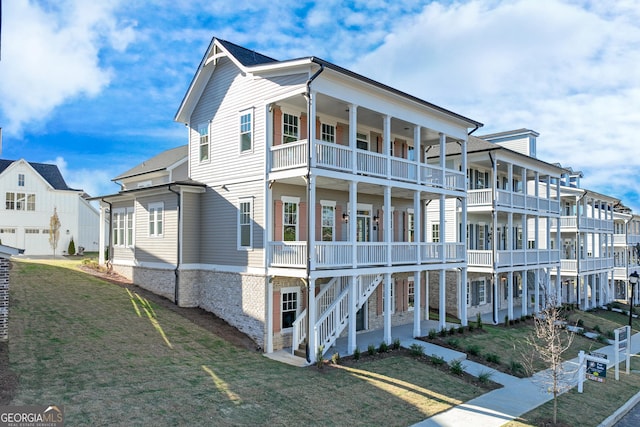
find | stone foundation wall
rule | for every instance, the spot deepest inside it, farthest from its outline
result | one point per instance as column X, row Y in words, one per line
column 4, row 299
column 160, row 282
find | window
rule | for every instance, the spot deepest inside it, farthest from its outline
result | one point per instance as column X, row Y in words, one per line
column 410, row 226
column 10, row 203
column 411, row 294
column 468, row 294
column 156, row 219
column 20, row 180
column 245, row 224
column 477, row 292
column 362, row 142
column 290, row 219
column 246, row 130
column 31, row 231
column 123, row 227
column 435, row 233
column 290, row 128
column 328, row 133
column 289, row 304
column 21, row 202
column 328, row 220
column 481, row 237
column 7, row 231
column 203, row 130
column 31, row 202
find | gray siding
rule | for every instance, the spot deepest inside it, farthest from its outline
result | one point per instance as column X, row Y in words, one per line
column 191, row 228
column 157, row 249
column 121, row 252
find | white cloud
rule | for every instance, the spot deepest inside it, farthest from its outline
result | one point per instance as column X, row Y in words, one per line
column 568, row 70
column 51, row 54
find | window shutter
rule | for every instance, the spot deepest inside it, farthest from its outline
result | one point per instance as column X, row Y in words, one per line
column 277, row 318
column 488, row 289
column 401, row 295
column 302, row 221
column 380, row 226
column 340, row 134
column 303, row 126
column 318, row 128
column 319, row 222
column 277, row 229
column 475, row 293
column 277, row 126
column 395, row 226
column 338, row 225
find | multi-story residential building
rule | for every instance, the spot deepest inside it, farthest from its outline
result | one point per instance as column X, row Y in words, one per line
column 512, row 200
column 626, row 252
column 586, row 239
column 304, row 216
column 32, row 192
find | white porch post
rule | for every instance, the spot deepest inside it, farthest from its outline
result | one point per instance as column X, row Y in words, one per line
column 442, row 309
column 443, row 150
column 353, row 136
column 388, row 220
column 525, row 293
column 417, row 309
column 353, row 221
column 353, row 300
column 416, row 152
column 496, row 296
column 312, row 335
column 536, row 291
column 269, row 302
column 387, row 308
column 311, row 234
column 510, row 295
column 463, row 296
column 386, row 143
column 426, row 296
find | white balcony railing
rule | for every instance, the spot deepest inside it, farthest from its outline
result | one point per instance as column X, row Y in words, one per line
column 483, row 258
column 484, row 197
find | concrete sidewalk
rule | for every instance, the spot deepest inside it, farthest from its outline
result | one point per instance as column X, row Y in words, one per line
column 517, row 397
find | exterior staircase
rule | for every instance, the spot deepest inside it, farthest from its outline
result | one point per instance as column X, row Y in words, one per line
column 332, row 306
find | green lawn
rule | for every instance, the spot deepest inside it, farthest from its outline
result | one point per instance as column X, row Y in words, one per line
column 112, row 357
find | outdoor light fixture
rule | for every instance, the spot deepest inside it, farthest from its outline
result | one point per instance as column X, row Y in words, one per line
column 633, row 280
column 345, row 217
column 376, row 219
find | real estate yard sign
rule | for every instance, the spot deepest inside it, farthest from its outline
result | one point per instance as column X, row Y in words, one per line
column 622, row 343
column 585, row 362
column 596, row 371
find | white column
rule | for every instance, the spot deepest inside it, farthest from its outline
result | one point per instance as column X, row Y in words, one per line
column 417, row 226
column 102, row 239
column 536, row 291
column 426, row 295
column 463, row 294
column 311, row 229
column 353, row 131
column 510, row 295
column 495, row 296
column 311, row 120
column 525, row 293
column 442, row 224
column 353, row 216
column 388, row 219
column 387, row 308
column 443, row 150
column 351, row 345
column 442, row 309
column 417, row 309
column 417, row 151
column 386, row 142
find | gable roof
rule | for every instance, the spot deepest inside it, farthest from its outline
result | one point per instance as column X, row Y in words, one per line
column 49, row 173
column 252, row 61
column 159, row 162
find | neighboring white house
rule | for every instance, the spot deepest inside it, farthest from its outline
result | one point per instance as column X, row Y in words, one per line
column 31, row 192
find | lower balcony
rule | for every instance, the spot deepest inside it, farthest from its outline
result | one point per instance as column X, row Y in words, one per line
column 530, row 257
column 569, row 266
column 340, row 254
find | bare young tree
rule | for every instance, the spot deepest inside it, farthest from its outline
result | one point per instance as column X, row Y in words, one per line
column 548, row 341
column 54, row 231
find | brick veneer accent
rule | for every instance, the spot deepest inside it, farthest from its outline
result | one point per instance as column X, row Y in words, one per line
column 4, row 299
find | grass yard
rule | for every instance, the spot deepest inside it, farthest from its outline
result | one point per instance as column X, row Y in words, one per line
column 112, row 356
column 594, row 405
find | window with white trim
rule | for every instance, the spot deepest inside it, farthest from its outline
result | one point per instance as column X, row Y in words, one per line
column 468, row 294
column 289, row 307
column 290, row 128
column 290, row 219
column 246, row 130
column 435, row 233
column 362, row 141
column 410, row 226
column 328, row 220
column 245, row 223
column 20, row 180
column 327, row 133
column 123, row 227
column 20, row 201
column 156, row 219
column 203, row 132
column 476, row 292
column 411, row 294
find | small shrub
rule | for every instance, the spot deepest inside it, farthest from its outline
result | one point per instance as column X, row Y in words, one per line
column 597, row 328
column 609, row 306
column 523, row 318
column 335, row 358
column 456, row 367
column 492, row 358
column 71, row 250
column 371, row 349
column 602, row 339
column 356, row 354
column 453, row 342
column 432, row 333
column 473, row 349
column 443, row 332
column 436, row 360
column 396, row 344
column 416, row 350
column 506, row 320
column 516, row 367
column 580, row 323
column 452, row 330
column 383, row 348
column 320, row 357
column 460, row 329
column 610, row 334
column 484, row 377
column 471, row 327
column 478, row 321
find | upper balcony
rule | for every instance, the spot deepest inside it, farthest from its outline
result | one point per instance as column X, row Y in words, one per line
column 342, row 158
column 573, row 224
column 573, row 266
column 520, row 257
column 511, row 200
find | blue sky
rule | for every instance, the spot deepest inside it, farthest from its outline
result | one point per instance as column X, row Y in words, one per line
column 94, row 86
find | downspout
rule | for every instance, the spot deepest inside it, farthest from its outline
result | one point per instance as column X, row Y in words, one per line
column 474, row 129
column 109, row 261
column 178, row 247
column 494, row 228
column 310, row 298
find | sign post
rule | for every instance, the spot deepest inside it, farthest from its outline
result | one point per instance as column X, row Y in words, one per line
column 622, row 343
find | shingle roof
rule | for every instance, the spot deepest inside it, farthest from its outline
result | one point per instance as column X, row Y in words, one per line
column 49, row 173
column 245, row 56
column 157, row 163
